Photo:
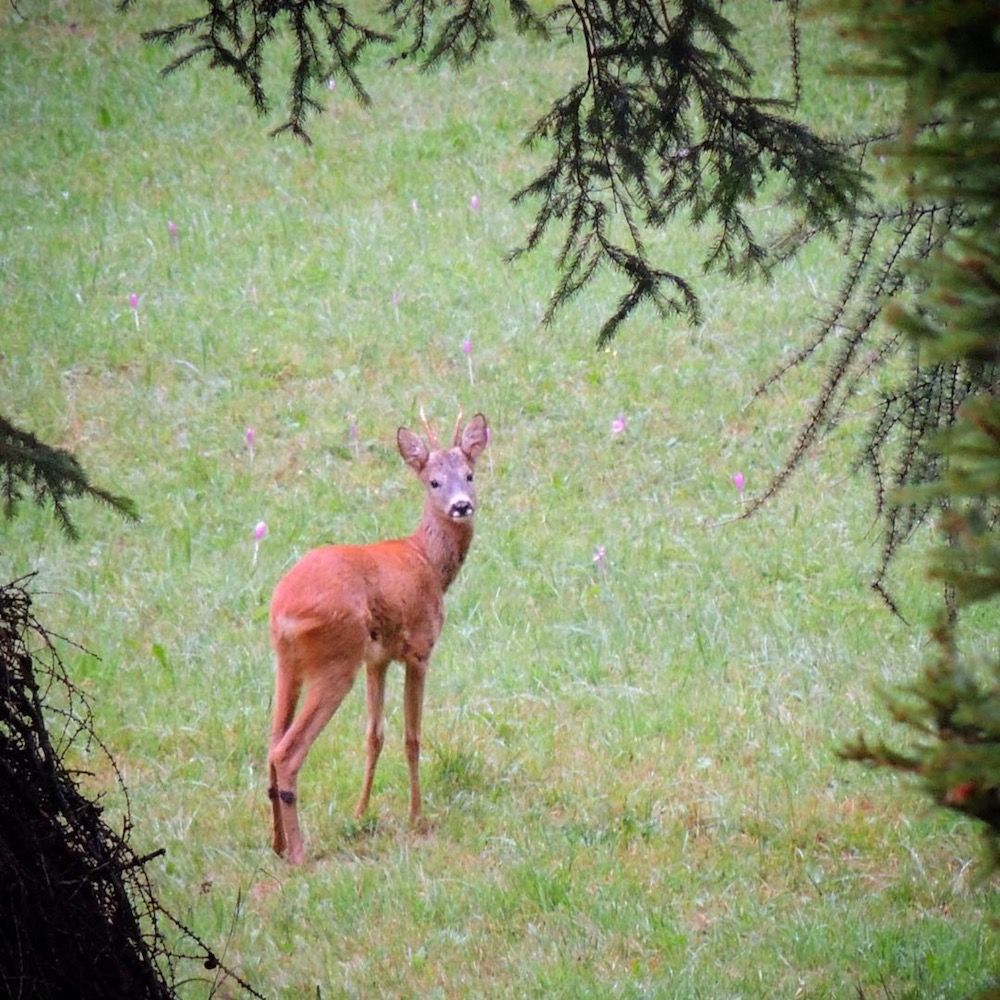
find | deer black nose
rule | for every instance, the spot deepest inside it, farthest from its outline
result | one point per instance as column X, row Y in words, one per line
column 461, row 508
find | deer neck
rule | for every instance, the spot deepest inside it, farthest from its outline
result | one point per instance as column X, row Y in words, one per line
column 444, row 543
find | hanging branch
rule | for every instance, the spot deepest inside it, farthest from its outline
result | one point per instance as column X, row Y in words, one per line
column 663, row 125
column 885, row 246
column 666, row 122
column 235, row 36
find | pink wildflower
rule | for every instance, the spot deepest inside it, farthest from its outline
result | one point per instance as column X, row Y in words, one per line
column 259, row 534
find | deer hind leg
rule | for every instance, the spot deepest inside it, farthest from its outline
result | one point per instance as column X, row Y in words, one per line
column 413, row 703
column 375, row 734
column 286, row 696
column 323, row 696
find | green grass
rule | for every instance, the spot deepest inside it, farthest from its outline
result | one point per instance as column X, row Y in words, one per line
column 630, row 775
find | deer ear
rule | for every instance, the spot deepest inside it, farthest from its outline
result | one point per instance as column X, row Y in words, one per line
column 475, row 437
column 413, row 450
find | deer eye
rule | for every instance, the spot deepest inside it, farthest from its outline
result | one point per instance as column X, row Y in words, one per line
column 468, row 478
column 434, row 484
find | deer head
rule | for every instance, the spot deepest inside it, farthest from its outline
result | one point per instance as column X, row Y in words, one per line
column 447, row 473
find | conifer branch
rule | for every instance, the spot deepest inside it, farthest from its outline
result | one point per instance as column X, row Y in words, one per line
column 664, row 124
column 943, row 423
column 49, row 475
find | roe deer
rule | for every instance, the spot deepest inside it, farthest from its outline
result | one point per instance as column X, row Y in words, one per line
column 344, row 605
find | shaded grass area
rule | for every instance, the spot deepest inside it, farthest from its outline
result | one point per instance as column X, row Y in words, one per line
column 629, row 762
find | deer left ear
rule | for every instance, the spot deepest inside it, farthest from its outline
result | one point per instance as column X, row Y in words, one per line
column 413, row 450
column 475, row 437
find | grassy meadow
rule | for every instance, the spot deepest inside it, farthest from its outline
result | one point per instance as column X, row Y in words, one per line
column 629, row 760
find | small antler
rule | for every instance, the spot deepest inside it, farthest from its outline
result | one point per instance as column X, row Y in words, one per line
column 432, row 438
column 456, row 438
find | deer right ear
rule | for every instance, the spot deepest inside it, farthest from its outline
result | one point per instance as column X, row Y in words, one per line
column 413, row 450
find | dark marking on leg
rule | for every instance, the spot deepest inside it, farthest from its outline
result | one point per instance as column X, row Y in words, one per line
column 287, row 797
column 272, row 793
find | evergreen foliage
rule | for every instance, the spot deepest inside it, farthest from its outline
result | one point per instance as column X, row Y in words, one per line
column 949, row 55
column 665, row 121
column 49, row 475
column 666, row 124
column 945, row 148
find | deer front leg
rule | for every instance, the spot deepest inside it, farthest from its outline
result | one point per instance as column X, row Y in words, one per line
column 413, row 703
column 375, row 734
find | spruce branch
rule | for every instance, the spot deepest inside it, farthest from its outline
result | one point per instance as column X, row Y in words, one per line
column 665, row 124
column 943, row 421
column 235, row 36
column 49, row 475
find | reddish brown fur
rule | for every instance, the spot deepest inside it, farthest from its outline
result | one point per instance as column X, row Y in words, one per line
column 342, row 606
